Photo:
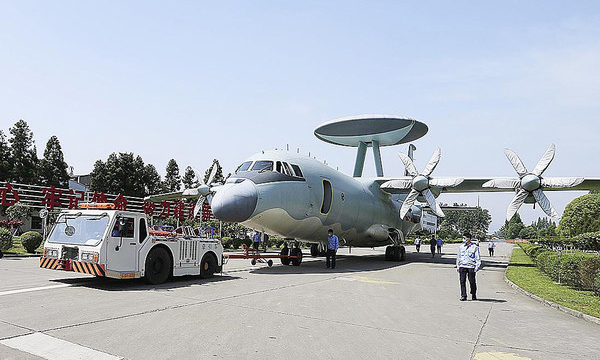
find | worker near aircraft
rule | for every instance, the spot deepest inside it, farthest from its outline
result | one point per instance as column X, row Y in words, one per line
column 333, row 243
column 256, row 240
column 468, row 262
column 491, row 247
column 432, row 245
column 440, row 243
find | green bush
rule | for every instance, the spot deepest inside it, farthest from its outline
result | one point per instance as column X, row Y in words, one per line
column 31, row 240
column 589, row 269
column 548, row 262
column 6, row 239
column 236, row 242
column 588, row 241
column 247, row 241
column 227, row 242
column 597, row 284
column 569, row 269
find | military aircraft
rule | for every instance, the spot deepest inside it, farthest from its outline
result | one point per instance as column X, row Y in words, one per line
column 284, row 193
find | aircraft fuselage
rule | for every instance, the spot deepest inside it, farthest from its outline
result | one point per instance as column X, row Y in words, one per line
column 297, row 197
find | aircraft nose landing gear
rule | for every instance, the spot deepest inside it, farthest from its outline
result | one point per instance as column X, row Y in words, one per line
column 395, row 253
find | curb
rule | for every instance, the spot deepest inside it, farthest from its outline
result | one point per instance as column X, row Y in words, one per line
column 21, row 255
column 575, row 313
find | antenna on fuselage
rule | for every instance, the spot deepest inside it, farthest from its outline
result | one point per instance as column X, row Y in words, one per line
column 370, row 131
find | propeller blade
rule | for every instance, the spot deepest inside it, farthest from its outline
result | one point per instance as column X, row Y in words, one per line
column 541, row 199
column 502, row 183
column 408, row 203
column 408, row 164
column 561, row 182
column 546, row 159
column 198, row 206
column 432, row 203
column 516, row 162
column 211, row 177
column 397, row 184
column 433, row 162
column 446, row 182
column 190, row 192
column 516, row 203
column 198, row 176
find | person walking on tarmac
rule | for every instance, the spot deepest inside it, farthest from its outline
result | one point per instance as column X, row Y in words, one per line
column 439, row 242
column 418, row 244
column 432, row 245
column 491, row 246
column 256, row 241
column 468, row 262
column 333, row 243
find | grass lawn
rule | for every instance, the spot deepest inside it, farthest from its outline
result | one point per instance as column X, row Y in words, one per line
column 523, row 272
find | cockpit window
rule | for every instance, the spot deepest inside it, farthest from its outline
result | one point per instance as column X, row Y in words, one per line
column 284, row 168
column 287, row 169
column 263, row 165
column 297, row 170
column 244, row 167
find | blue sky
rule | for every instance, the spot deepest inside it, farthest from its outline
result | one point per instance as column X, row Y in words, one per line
column 196, row 80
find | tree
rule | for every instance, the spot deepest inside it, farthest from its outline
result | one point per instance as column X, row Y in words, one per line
column 581, row 215
column 5, row 167
column 457, row 222
column 23, row 154
column 53, row 168
column 189, row 178
column 219, row 174
column 512, row 228
column 172, row 179
column 122, row 173
column 152, row 180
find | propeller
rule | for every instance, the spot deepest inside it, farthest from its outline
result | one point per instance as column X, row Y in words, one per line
column 532, row 183
column 202, row 191
column 421, row 183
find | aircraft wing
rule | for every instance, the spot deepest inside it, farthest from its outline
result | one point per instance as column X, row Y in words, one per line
column 474, row 184
column 176, row 195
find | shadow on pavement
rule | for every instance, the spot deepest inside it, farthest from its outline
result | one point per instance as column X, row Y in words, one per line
column 491, row 300
column 108, row 284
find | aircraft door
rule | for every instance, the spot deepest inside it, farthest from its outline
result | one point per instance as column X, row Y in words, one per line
column 123, row 245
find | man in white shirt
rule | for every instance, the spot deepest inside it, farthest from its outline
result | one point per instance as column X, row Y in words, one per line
column 491, row 246
column 468, row 262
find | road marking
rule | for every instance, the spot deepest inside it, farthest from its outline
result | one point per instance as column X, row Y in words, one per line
column 367, row 280
column 499, row 356
column 51, row 348
column 19, row 291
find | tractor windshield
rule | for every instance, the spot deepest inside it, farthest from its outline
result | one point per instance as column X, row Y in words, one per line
column 79, row 229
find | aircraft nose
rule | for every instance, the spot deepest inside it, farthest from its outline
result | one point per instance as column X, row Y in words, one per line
column 235, row 203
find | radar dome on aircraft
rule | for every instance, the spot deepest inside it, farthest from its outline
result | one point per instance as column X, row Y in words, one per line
column 374, row 131
column 385, row 129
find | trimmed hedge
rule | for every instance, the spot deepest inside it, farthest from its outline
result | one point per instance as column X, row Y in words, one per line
column 6, row 239
column 589, row 271
column 579, row 270
column 31, row 240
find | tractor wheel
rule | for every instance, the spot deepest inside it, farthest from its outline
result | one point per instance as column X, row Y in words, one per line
column 158, row 266
column 208, row 266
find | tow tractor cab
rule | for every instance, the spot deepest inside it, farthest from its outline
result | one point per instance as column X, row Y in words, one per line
column 101, row 241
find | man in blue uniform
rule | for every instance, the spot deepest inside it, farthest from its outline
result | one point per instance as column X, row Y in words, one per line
column 256, row 241
column 333, row 244
column 468, row 262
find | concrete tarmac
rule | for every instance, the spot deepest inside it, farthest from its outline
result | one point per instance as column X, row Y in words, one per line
column 365, row 308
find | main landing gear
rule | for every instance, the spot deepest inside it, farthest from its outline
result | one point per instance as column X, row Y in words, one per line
column 395, row 253
column 293, row 256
